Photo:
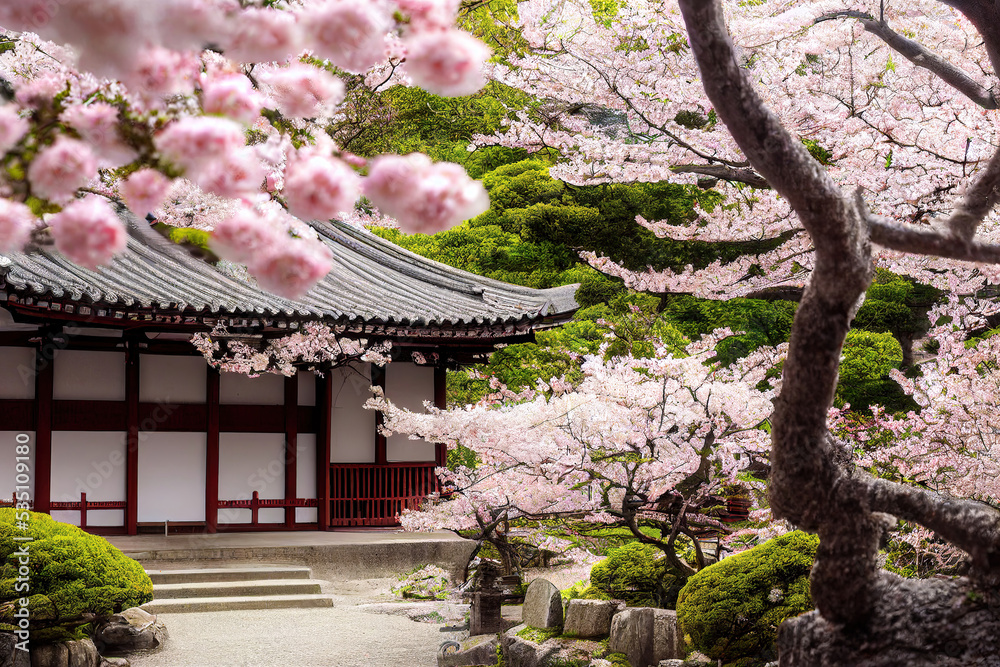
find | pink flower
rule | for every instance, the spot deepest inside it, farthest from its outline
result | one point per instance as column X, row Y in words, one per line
column 59, row 170
column 232, row 96
column 264, row 35
column 293, row 268
column 424, row 197
column 159, row 72
column 108, row 34
column 97, row 124
column 16, row 223
column 145, row 190
column 350, row 34
column 192, row 141
column 237, row 174
column 303, row 91
column 447, row 63
column 429, row 14
column 40, row 92
column 319, row 187
column 190, row 24
column 88, row 232
column 244, row 235
column 12, row 127
column 29, row 16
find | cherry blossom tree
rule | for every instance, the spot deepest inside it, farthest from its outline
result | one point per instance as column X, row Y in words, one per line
column 640, row 442
column 221, row 108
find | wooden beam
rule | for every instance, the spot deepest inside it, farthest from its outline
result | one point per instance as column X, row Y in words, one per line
column 291, row 444
column 441, row 402
column 212, row 452
column 378, row 380
column 44, row 381
column 132, row 437
column 324, row 429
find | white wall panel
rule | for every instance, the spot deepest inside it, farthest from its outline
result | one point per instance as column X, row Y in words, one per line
column 240, row 389
column 408, row 386
column 91, row 462
column 8, row 462
column 89, row 375
column 172, row 476
column 251, row 462
column 17, row 372
column 168, row 379
column 352, row 437
column 307, row 387
column 305, row 475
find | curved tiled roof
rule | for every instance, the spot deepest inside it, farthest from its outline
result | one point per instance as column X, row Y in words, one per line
column 372, row 281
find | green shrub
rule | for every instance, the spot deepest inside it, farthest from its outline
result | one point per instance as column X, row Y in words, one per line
column 636, row 573
column 731, row 610
column 427, row 582
column 72, row 574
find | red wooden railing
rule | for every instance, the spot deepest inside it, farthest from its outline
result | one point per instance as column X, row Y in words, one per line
column 255, row 503
column 374, row 495
column 83, row 506
column 13, row 502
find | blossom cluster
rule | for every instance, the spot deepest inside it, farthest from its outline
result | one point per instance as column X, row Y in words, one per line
column 139, row 102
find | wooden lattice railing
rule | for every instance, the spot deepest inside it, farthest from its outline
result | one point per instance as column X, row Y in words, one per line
column 375, row 495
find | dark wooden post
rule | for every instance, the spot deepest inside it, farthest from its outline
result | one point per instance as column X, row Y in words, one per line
column 212, row 452
column 324, row 412
column 291, row 445
column 378, row 380
column 83, row 510
column 44, row 380
column 132, row 436
column 441, row 402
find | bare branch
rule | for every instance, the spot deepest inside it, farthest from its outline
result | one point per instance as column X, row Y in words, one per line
column 979, row 201
column 920, row 56
column 725, row 173
column 929, row 241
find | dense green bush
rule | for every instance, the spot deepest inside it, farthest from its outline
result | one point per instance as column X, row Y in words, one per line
column 731, row 610
column 72, row 574
column 864, row 371
column 636, row 573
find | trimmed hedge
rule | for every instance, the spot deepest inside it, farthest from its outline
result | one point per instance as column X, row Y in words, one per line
column 636, row 573
column 72, row 574
column 731, row 610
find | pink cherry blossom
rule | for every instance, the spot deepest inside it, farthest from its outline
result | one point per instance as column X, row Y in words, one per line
column 264, row 35
column 292, row 269
column 232, row 96
column 319, row 187
column 29, row 16
column 191, row 24
column 244, row 235
column 12, row 127
column 192, row 141
column 303, row 91
column 108, row 34
column 88, row 232
column 145, row 190
column 59, row 170
column 350, row 34
column 448, row 63
column 159, row 72
column 16, row 223
column 97, row 124
column 237, row 174
column 39, row 92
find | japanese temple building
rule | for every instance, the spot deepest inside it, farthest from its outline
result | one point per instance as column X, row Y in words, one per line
column 131, row 430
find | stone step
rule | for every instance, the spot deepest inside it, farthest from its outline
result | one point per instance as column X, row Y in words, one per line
column 185, row 605
column 218, row 589
column 228, row 574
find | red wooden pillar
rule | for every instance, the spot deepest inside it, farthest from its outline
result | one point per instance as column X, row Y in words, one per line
column 378, row 380
column 212, row 452
column 441, row 401
column 132, row 436
column 291, row 444
column 44, row 374
column 324, row 404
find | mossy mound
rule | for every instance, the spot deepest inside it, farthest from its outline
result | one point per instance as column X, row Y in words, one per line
column 636, row 573
column 731, row 610
column 73, row 576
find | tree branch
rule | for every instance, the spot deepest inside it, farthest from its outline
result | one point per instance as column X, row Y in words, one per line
column 920, row 56
column 725, row 173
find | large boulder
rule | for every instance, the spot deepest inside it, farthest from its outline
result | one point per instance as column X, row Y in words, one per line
column 132, row 630
column 477, row 650
column 668, row 640
column 542, row 605
column 81, row 653
column 521, row 652
column 632, row 634
column 9, row 655
column 590, row 618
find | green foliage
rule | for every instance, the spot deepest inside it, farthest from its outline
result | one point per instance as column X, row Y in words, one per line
column 618, row 660
column 732, row 609
column 72, row 573
column 864, row 371
column 538, row 635
column 637, row 574
column 888, row 305
column 427, row 582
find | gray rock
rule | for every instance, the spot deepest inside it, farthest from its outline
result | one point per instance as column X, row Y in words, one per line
column 590, row 618
column 668, row 640
column 132, row 630
column 80, row 653
column 542, row 605
column 10, row 656
column 632, row 634
column 477, row 650
column 520, row 652
column 115, row 662
column 670, row 663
